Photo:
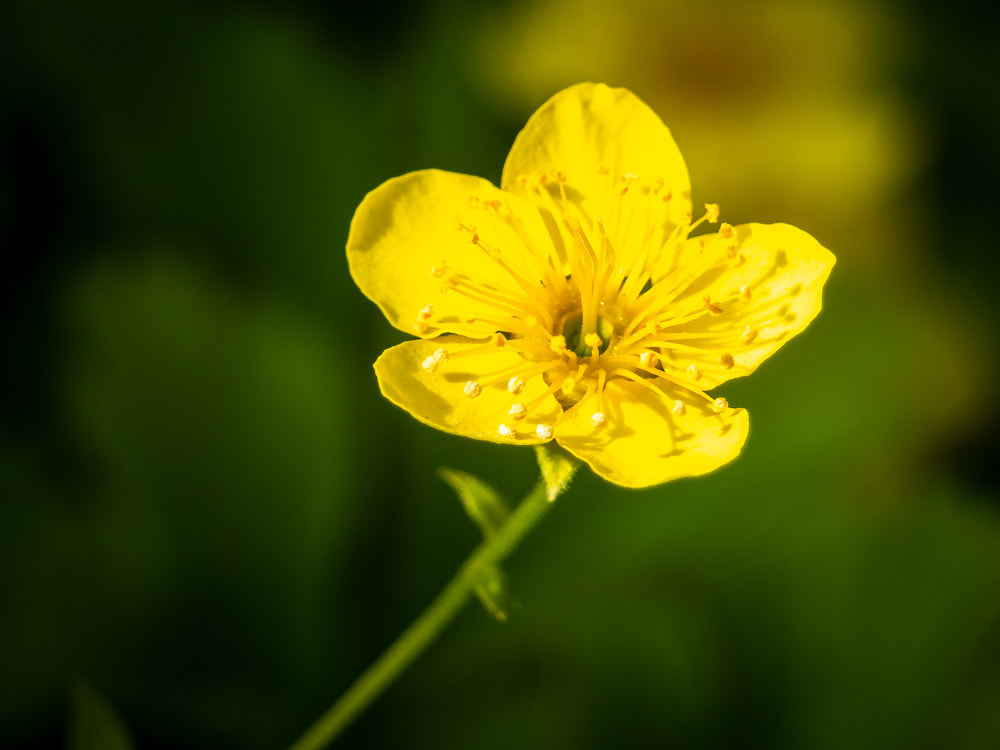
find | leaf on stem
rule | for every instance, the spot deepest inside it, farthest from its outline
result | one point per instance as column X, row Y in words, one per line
column 484, row 504
column 493, row 589
column 94, row 724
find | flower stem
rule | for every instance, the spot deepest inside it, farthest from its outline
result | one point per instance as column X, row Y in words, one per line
column 428, row 625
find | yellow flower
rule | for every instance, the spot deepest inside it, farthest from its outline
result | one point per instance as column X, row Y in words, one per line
column 572, row 304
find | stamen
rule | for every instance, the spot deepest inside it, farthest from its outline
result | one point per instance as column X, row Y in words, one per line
column 598, row 419
column 517, row 411
column 727, row 361
column 505, row 431
column 515, row 385
column 431, row 363
column 472, row 389
column 558, row 345
column 713, row 308
column 679, row 408
column 544, row 431
column 648, row 358
column 720, row 405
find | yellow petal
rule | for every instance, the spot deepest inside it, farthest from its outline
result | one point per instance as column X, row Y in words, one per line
column 592, row 134
column 413, row 233
column 768, row 291
column 647, row 439
column 439, row 397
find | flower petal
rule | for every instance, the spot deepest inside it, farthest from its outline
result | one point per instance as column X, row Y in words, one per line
column 590, row 129
column 767, row 286
column 413, row 233
column 438, row 397
column 645, row 441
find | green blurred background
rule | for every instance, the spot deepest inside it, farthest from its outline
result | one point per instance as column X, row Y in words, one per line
column 208, row 512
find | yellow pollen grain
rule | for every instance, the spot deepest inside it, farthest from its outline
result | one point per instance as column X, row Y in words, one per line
column 517, row 411
column 693, row 372
column 712, row 212
column 679, row 408
column 593, row 340
column 720, row 405
column 558, row 344
column 472, row 389
column 726, row 231
column 748, row 335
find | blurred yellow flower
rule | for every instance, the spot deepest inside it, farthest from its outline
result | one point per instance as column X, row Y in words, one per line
column 790, row 95
column 572, row 304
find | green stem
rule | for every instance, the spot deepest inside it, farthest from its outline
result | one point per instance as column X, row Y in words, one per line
column 426, row 628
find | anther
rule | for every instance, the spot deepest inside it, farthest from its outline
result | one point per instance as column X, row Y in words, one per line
column 714, row 308
column 731, row 252
column 593, row 340
column 726, row 231
column 679, row 408
column 648, row 359
column 544, row 431
column 425, row 313
column 748, row 335
column 431, row 363
column 727, row 361
column 598, row 419
column 505, row 431
column 515, row 385
column 440, row 270
column 746, row 292
column 693, row 372
column 720, row 405
column 517, row 411
column 558, row 344
column 712, row 212
column 472, row 389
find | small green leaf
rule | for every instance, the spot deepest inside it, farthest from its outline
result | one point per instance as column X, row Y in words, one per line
column 94, row 724
column 484, row 504
column 558, row 468
column 493, row 589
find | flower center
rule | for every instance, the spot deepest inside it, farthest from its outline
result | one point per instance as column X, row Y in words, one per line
column 582, row 342
column 590, row 302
